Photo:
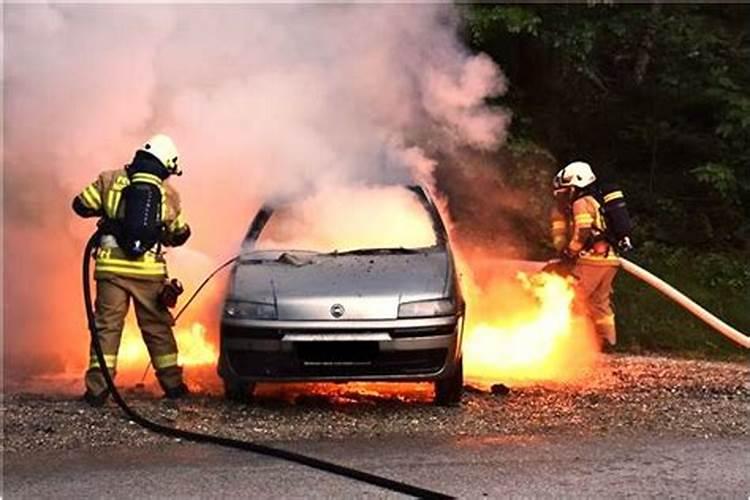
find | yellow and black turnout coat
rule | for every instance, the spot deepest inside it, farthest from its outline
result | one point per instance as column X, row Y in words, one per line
column 576, row 228
column 103, row 198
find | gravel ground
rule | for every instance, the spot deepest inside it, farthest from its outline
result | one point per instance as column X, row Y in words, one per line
column 626, row 396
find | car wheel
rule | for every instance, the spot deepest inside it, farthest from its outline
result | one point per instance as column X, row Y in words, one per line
column 241, row 392
column 448, row 391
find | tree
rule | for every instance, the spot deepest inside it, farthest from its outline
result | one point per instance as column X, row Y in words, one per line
column 656, row 95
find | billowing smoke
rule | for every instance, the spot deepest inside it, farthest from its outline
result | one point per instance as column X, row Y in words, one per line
column 264, row 102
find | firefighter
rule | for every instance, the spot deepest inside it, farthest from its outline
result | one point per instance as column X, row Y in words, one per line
column 578, row 234
column 121, row 278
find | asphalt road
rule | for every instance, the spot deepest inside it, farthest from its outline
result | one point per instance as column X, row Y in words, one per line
column 639, row 427
column 470, row 467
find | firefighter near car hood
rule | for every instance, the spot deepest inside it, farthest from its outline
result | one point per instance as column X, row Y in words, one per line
column 358, row 475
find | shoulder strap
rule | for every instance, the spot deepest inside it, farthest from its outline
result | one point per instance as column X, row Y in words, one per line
column 114, row 195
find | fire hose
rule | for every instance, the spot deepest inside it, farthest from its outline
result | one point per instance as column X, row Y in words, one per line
column 187, row 304
column 196, row 437
column 686, row 303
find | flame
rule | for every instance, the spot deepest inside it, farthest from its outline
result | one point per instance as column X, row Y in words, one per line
column 519, row 329
column 351, row 392
column 195, row 349
column 525, row 330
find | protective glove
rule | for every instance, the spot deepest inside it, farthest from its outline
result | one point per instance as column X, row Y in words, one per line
column 625, row 245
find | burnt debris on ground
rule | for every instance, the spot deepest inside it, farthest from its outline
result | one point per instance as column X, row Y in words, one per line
column 628, row 395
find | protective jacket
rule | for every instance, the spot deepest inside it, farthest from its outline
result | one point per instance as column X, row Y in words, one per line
column 579, row 229
column 102, row 198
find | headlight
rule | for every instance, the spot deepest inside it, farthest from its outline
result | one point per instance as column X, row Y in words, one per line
column 427, row 308
column 249, row 310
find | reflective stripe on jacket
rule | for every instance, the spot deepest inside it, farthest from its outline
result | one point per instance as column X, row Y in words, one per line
column 105, row 194
column 576, row 229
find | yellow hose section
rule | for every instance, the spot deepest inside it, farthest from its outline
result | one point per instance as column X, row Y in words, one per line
column 685, row 302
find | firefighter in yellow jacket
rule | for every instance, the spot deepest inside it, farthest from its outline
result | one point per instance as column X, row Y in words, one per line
column 578, row 235
column 120, row 277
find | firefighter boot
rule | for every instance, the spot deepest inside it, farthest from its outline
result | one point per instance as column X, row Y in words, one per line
column 179, row 392
column 93, row 400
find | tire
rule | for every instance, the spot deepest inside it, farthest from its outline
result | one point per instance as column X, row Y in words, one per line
column 448, row 391
column 240, row 392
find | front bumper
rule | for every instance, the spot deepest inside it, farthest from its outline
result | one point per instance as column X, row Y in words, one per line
column 405, row 349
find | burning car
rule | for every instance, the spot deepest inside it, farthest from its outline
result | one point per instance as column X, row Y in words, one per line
column 337, row 289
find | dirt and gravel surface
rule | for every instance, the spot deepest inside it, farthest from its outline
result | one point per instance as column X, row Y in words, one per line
column 626, row 396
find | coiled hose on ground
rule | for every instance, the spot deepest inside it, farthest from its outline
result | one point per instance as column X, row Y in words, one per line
column 357, row 475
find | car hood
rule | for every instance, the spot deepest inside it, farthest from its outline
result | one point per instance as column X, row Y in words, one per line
column 368, row 287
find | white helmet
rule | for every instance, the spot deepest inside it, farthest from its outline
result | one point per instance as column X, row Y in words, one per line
column 163, row 148
column 577, row 174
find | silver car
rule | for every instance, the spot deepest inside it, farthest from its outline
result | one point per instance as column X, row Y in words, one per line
column 392, row 313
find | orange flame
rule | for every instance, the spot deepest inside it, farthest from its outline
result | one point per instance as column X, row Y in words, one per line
column 195, row 349
column 524, row 331
column 519, row 330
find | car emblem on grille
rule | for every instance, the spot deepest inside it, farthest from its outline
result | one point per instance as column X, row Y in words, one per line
column 337, row 310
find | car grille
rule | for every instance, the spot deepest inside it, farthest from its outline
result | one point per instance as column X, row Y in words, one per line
column 235, row 332
column 230, row 331
column 336, row 359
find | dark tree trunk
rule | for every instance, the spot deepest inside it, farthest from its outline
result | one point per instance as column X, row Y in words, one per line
column 643, row 59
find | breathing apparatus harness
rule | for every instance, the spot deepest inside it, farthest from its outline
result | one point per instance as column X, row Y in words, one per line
column 139, row 226
column 196, row 437
column 618, row 227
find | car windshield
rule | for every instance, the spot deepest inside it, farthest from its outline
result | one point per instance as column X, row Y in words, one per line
column 352, row 220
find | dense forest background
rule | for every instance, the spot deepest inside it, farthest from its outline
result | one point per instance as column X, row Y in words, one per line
column 656, row 97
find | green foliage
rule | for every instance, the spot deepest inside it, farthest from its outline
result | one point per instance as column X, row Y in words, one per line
column 657, row 97
column 718, row 177
column 649, row 321
column 485, row 19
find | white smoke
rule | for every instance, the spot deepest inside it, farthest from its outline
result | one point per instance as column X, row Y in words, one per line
column 263, row 101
